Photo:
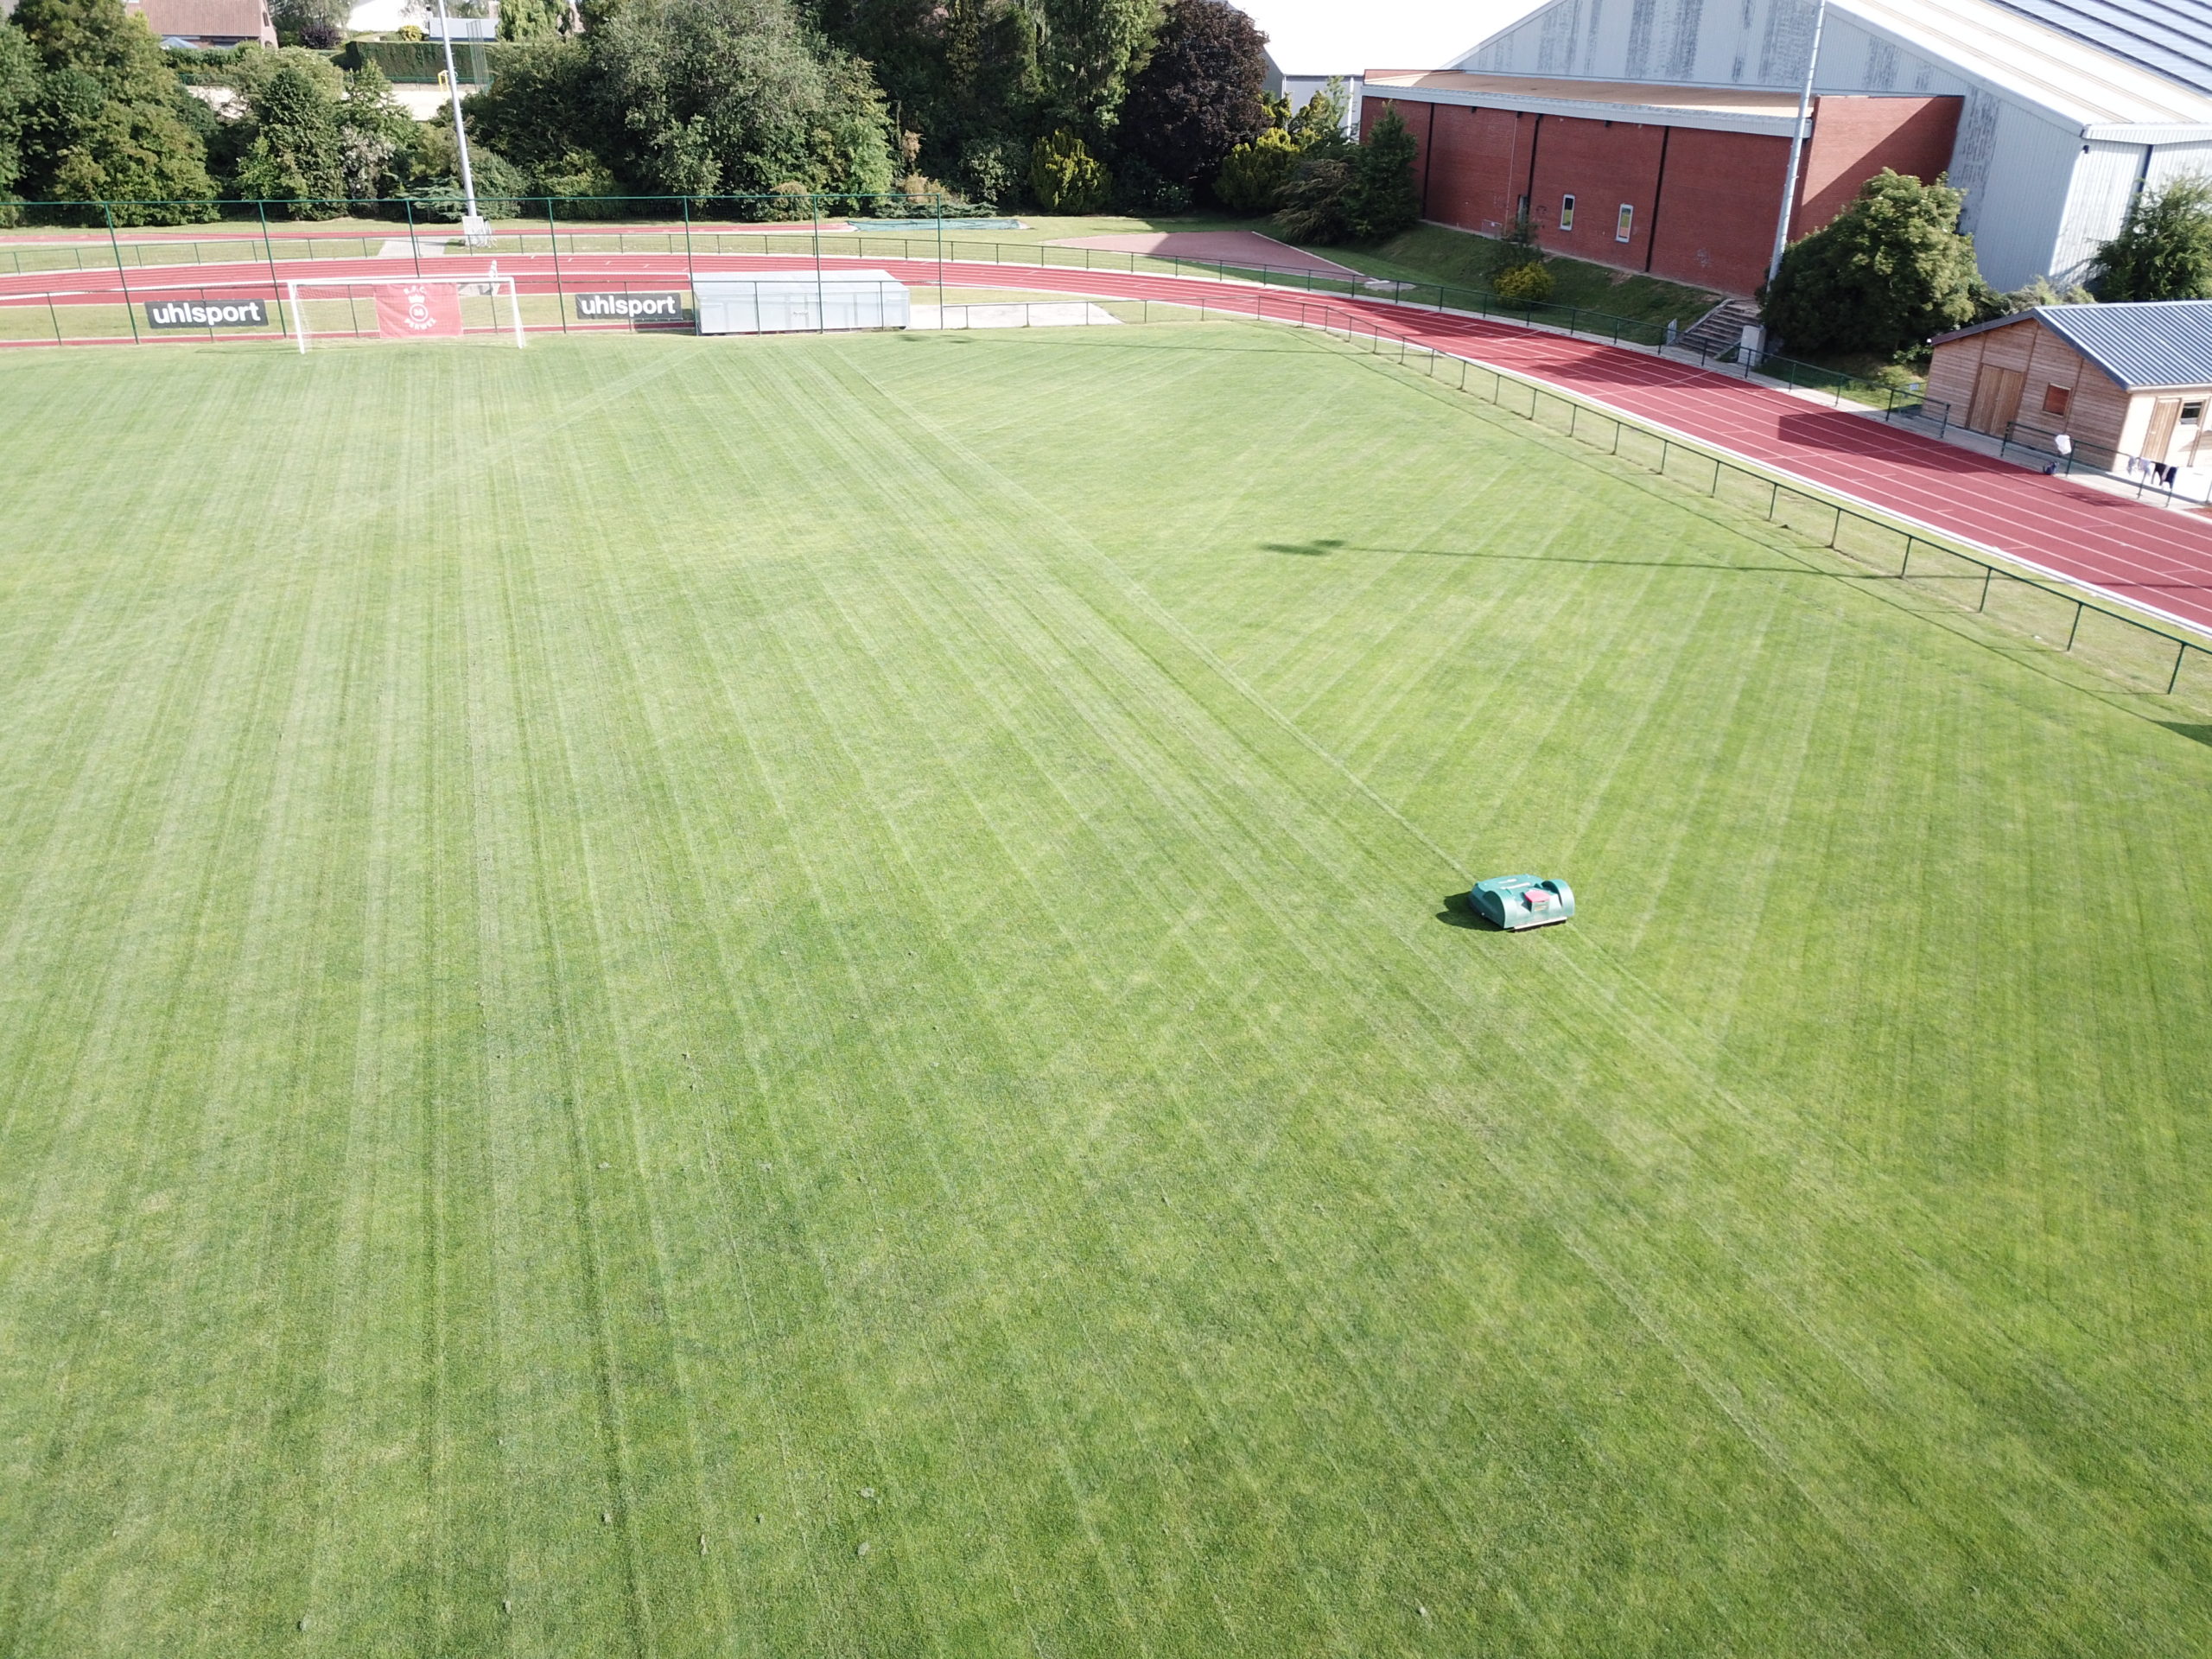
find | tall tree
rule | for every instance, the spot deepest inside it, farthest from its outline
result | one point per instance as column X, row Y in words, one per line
column 20, row 87
column 532, row 20
column 1200, row 94
column 295, row 155
column 1089, row 50
column 2163, row 251
column 1884, row 276
column 1383, row 198
column 109, row 124
column 735, row 97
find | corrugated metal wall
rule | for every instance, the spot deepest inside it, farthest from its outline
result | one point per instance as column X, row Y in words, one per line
column 2104, row 180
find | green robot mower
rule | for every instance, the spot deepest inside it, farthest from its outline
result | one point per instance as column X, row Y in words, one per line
column 1514, row 902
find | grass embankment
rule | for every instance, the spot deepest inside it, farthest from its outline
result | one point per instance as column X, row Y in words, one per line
column 794, row 996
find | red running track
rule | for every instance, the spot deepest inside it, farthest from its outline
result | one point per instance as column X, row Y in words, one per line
column 2150, row 557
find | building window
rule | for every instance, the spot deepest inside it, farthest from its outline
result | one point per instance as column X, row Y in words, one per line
column 1627, row 218
column 1566, row 212
column 2055, row 399
column 2192, row 413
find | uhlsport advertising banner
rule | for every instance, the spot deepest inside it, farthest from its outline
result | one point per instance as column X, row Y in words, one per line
column 629, row 308
column 207, row 313
column 417, row 311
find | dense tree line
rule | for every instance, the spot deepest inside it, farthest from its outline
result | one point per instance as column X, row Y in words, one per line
column 1069, row 105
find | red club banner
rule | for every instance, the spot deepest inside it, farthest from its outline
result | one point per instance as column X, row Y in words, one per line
column 417, row 311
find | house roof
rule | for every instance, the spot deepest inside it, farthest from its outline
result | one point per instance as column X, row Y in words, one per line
column 2143, row 346
column 2173, row 37
column 240, row 20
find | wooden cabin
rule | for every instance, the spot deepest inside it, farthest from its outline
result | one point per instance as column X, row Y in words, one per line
column 2119, row 380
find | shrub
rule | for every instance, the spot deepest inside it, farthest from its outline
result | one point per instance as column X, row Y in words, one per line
column 1314, row 200
column 1253, row 176
column 407, row 32
column 1889, row 272
column 1065, row 177
column 992, row 169
column 1526, row 283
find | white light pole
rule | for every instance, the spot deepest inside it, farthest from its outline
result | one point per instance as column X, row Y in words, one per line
column 473, row 231
column 1796, row 141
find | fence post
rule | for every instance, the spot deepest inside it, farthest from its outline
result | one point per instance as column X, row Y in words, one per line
column 2076, row 628
column 1905, row 563
column 413, row 247
column 269, row 253
column 553, row 241
column 1773, row 497
column 1664, row 447
column 129, row 312
column 1835, row 530
column 1988, row 571
column 2174, row 679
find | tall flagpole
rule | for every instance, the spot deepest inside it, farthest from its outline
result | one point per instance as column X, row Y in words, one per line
column 473, row 231
column 1796, row 141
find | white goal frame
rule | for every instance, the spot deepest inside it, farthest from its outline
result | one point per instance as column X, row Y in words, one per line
column 492, row 280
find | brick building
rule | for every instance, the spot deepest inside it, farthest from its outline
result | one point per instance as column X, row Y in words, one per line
column 1681, row 181
column 1657, row 138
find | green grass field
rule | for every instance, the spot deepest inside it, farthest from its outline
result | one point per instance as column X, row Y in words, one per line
column 795, row 996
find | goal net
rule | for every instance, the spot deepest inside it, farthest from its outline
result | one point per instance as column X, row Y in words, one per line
column 410, row 308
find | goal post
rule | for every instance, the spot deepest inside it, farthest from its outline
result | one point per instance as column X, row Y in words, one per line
column 408, row 307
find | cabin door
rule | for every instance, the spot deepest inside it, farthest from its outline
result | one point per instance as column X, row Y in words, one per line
column 2165, row 415
column 1996, row 400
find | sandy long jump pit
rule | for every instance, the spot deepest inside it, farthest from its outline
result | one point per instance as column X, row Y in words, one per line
column 1246, row 248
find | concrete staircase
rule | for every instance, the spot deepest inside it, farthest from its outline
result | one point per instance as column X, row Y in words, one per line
column 1719, row 329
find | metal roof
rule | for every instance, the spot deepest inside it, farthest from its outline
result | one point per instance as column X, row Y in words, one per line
column 2143, row 344
column 1740, row 109
column 2173, row 37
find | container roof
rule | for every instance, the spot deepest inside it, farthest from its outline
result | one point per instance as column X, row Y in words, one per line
column 2143, row 346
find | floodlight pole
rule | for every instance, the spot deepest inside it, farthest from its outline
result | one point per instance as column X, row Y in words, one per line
column 473, row 231
column 1796, row 141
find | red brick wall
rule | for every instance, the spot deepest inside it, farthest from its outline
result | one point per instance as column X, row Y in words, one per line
column 1705, row 201
column 1478, row 155
column 1601, row 164
column 1855, row 138
column 1717, row 208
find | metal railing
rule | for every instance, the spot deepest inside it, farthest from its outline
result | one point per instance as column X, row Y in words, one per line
column 574, row 225
column 2040, row 443
column 2126, row 647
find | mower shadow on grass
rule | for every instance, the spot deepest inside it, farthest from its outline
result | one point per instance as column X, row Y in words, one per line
column 1322, row 548
column 1458, row 913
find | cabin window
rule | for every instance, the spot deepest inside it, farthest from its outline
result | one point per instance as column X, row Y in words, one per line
column 1627, row 218
column 2054, row 400
column 2192, row 413
column 1566, row 212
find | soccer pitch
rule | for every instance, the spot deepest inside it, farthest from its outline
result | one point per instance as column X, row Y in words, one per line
column 795, row 996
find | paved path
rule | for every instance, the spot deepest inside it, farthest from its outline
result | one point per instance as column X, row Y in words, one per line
column 1247, row 249
column 2155, row 559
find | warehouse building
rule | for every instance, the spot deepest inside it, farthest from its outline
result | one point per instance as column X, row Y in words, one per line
column 1654, row 135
